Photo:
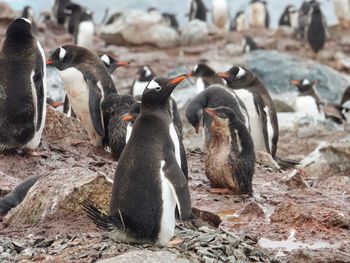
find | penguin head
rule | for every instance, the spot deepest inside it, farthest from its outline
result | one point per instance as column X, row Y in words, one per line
column 111, row 63
column 237, row 76
column 145, row 73
column 19, row 28
column 201, row 70
column 304, row 85
column 159, row 90
column 221, row 117
column 133, row 112
column 28, row 12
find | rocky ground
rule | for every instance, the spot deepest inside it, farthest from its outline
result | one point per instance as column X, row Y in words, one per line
column 294, row 216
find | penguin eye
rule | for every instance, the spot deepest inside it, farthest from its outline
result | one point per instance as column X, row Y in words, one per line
column 158, row 88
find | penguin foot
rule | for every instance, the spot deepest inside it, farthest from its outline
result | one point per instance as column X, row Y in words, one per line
column 33, row 153
column 222, row 191
column 175, row 242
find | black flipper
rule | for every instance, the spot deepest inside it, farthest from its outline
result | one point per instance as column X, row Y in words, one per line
column 263, row 120
column 39, row 87
column 179, row 185
column 95, row 98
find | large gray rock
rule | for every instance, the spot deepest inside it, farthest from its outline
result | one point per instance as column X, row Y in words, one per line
column 135, row 27
column 195, row 32
column 276, row 70
column 55, row 87
column 146, row 256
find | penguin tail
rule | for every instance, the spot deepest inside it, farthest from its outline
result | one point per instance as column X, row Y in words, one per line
column 286, row 164
column 100, row 219
column 200, row 218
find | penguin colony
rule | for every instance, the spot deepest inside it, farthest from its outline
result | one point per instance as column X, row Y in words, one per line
column 234, row 107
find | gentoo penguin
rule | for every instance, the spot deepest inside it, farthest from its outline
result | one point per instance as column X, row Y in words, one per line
column 197, row 10
column 58, row 11
column 220, row 14
column 171, row 20
column 23, row 95
column 145, row 75
column 262, row 114
column 248, row 44
column 114, row 107
column 239, row 22
column 308, row 100
column 148, row 183
column 289, row 17
column 259, row 15
column 16, row 196
column 28, row 12
column 87, row 82
column 230, row 162
column 205, row 76
column 342, row 11
column 112, row 63
column 316, row 28
column 303, row 17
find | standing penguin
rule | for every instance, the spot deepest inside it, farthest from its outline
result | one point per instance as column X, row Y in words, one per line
column 230, row 162
column 205, row 75
column 316, row 28
column 23, row 97
column 303, row 17
column 239, row 22
column 289, row 17
column 342, row 11
column 58, row 11
column 148, row 183
column 197, row 10
column 145, row 75
column 87, row 82
column 220, row 14
column 259, row 15
column 248, row 44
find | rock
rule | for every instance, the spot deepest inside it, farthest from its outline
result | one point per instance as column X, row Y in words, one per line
column 295, row 180
column 194, row 33
column 252, row 209
column 6, row 11
column 265, row 159
column 343, row 60
column 7, row 183
column 55, row 86
column 277, row 69
column 135, row 27
column 146, row 256
column 61, row 193
column 339, row 220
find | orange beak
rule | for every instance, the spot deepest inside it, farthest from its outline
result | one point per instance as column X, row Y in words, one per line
column 177, row 80
column 223, row 75
column 211, row 111
column 49, row 61
column 127, row 117
column 295, row 82
column 56, row 104
column 123, row 63
column 189, row 75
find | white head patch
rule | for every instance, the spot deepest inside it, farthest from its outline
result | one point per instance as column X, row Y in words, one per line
column 241, row 72
column 195, row 68
column 147, row 70
column 106, row 59
column 153, row 85
column 27, row 20
column 62, row 53
column 306, row 82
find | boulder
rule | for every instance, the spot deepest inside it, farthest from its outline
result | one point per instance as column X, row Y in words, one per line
column 295, row 179
column 55, row 86
column 194, row 33
column 61, row 194
column 146, row 256
column 135, row 27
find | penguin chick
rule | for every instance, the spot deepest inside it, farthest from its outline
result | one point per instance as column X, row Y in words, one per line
column 148, row 183
column 205, row 75
column 145, row 75
column 22, row 88
column 230, row 162
column 316, row 28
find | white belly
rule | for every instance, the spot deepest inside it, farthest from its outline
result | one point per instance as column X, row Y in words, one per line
column 200, row 85
column 220, row 13
column 255, row 124
column 176, row 143
column 342, row 9
column 85, row 35
column 78, row 95
column 240, row 23
column 128, row 132
column 138, row 88
column 167, row 223
column 257, row 15
column 307, row 105
column 294, row 20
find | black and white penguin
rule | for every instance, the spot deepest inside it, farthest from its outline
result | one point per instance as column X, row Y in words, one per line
column 303, row 17
column 289, row 17
column 58, row 10
column 259, row 15
column 87, row 82
column 22, row 98
column 345, row 103
column 342, row 11
column 197, row 10
column 220, row 14
column 145, row 75
column 16, row 196
column 112, row 63
column 171, row 20
column 248, row 44
column 262, row 114
column 205, row 75
column 316, row 28
column 148, row 183
column 230, row 162
column 29, row 13
column 239, row 22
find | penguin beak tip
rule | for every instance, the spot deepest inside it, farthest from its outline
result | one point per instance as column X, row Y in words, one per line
column 210, row 111
column 178, row 79
column 49, row 61
column 127, row 117
column 223, row 75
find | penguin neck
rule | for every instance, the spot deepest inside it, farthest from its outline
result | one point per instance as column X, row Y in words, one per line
column 18, row 43
column 158, row 111
column 312, row 93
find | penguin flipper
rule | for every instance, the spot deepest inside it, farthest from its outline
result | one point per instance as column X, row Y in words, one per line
column 95, row 98
column 179, row 187
column 39, row 88
column 263, row 120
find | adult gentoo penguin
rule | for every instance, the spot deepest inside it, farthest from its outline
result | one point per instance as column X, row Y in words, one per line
column 289, row 17
column 342, row 11
column 248, row 44
column 197, row 10
column 148, row 182
column 58, row 10
column 205, row 76
column 259, row 15
column 230, row 162
column 145, row 75
column 239, row 22
column 23, row 95
column 220, row 14
column 316, row 28
column 112, row 63
column 87, row 82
